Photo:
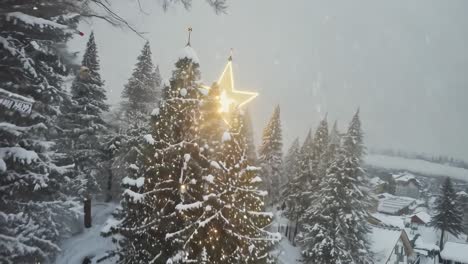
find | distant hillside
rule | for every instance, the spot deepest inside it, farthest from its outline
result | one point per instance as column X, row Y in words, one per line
column 440, row 159
column 417, row 166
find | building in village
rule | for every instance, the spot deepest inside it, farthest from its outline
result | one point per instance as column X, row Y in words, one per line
column 454, row 253
column 407, row 185
column 395, row 205
column 421, row 218
column 391, row 245
column 377, row 185
column 464, row 203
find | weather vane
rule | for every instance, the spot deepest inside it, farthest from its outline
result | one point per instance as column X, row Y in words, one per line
column 189, row 33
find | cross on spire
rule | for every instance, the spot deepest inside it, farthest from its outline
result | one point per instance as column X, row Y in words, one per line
column 189, row 33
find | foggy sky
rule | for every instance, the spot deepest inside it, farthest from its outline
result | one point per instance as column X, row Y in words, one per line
column 403, row 62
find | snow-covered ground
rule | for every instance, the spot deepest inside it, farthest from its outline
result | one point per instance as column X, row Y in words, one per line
column 416, row 166
column 89, row 242
column 285, row 251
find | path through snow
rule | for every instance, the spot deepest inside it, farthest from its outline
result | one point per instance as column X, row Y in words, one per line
column 286, row 252
column 89, row 242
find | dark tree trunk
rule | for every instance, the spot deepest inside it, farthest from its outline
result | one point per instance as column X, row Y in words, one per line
column 109, row 186
column 87, row 212
column 295, row 231
column 441, row 242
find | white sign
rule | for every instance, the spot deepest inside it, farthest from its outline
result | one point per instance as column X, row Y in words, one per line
column 16, row 105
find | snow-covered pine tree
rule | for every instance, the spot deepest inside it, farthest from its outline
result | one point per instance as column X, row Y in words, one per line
column 449, row 214
column 306, row 173
column 297, row 191
column 84, row 129
column 152, row 213
column 141, row 93
column 329, row 223
column 360, row 200
column 319, row 148
column 247, row 130
column 355, row 137
column 291, row 164
column 140, row 96
column 35, row 209
column 271, row 156
column 334, row 142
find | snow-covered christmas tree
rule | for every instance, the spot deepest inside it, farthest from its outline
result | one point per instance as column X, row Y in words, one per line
column 167, row 169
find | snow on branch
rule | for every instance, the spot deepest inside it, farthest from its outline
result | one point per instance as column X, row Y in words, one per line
column 33, row 21
column 3, row 166
column 215, row 164
column 132, row 182
column 134, row 196
column 15, row 95
column 149, row 139
column 209, row 178
column 110, row 224
column 256, row 179
column 267, row 214
column 189, row 53
column 6, row 45
column 18, row 130
column 252, row 168
column 184, row 207
column 19, row 154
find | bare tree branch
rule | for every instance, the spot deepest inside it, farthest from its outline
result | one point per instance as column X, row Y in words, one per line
column 110, row 16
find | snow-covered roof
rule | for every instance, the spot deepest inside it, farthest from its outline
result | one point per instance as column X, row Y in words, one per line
column 376, row 181
column 383, row 241
column 425, row 217
column 455, row 252
column 393, row 204
column 405, row 177
column 424, row 247
column 390, row 220
column 189, row 52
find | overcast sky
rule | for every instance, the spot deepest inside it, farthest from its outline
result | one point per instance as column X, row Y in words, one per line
column 403, row 62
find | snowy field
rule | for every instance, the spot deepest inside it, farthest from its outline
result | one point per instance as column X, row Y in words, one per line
column 416, row 166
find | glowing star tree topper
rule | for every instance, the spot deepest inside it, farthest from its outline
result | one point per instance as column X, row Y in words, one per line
column 231, row 98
